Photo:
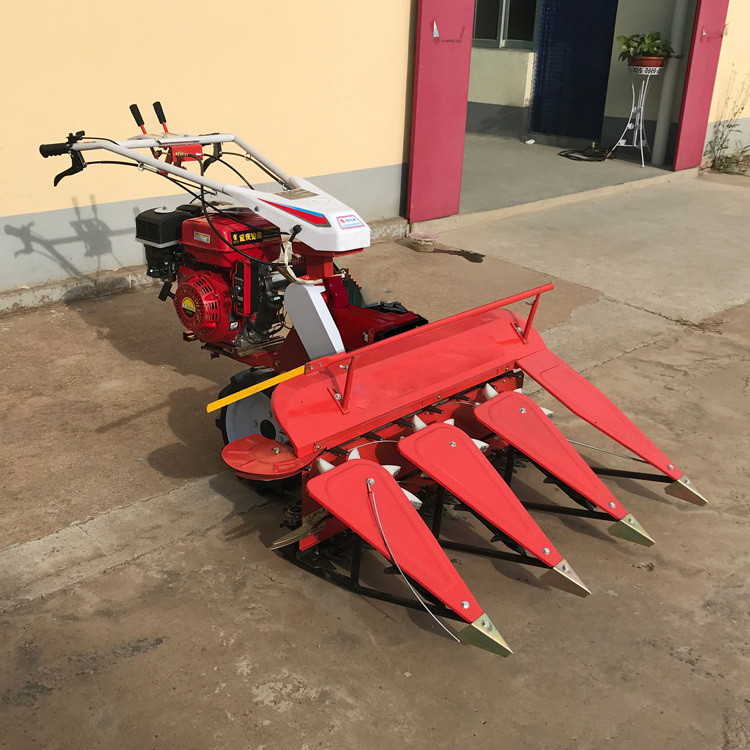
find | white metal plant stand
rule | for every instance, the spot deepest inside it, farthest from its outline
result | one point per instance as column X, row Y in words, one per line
column 634, row 135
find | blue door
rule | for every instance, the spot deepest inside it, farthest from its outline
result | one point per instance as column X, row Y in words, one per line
column 574, row 51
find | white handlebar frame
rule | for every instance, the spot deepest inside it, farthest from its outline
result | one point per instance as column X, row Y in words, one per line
column 325, row 223
column 128, row 149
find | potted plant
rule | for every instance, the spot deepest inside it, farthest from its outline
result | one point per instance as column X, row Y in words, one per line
column 645, row 50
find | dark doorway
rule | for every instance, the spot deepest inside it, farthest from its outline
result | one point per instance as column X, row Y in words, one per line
column 574, row 51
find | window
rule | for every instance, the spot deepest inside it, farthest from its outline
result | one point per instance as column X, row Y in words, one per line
column 504, row 23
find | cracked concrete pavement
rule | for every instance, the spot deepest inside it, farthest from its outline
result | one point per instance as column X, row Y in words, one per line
column 139, row 607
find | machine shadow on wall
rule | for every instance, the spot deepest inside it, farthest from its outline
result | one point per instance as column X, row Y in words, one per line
column 91, row 232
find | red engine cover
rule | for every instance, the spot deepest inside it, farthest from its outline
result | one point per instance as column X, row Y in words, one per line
column 253, row 235
column 203, row 304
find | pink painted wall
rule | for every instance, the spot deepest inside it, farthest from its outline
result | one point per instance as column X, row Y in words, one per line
column 441, row 91
column 703, row 63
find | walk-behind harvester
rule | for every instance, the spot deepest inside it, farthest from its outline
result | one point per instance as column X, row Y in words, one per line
column 384, row 420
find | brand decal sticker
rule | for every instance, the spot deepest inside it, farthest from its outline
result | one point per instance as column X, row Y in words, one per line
column 201, row 237
column 244, row 238
column 265, row 234
column 349, row 221
column 188, row 307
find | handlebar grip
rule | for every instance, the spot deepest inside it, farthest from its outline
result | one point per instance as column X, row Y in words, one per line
column 159, row 113
column 53, row 149
column 136, row 115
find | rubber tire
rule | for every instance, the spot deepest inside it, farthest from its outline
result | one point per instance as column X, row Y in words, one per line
column 240, row 381
column 246, row 379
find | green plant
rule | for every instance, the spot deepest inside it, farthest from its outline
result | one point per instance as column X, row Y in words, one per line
column 724, row 150
column 645, row 45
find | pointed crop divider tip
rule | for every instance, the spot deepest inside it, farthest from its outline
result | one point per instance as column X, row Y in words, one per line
column 563, row 577
column 629, row 529
column 683, row 489
column 483, row 634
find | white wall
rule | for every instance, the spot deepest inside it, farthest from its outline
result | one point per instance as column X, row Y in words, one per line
column 640, row 17
column 501, row 76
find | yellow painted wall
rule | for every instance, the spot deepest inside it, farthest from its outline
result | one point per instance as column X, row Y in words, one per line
column 319, row 87
column 501, row 76
column 735, row 55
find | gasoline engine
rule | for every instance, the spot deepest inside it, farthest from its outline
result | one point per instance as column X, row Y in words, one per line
column 227, row 290
column 230, row 286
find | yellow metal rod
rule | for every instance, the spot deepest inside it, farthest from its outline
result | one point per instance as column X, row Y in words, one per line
column 222, row 402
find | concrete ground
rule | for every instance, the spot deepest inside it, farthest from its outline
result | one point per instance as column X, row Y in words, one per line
column 140, row 608
column 537, row 173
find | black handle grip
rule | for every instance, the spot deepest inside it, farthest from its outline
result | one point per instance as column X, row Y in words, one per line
column 53, row 149
column 159, row 113
column 136, row 115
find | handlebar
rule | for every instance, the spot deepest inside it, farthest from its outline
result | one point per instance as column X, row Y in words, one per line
column 53, row 149
column 75, row 147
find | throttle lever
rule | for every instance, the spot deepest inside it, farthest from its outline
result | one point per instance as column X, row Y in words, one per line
column 138, row 117
column 159, row 111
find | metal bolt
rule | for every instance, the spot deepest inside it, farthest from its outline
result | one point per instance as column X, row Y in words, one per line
column 519, row 329
column 546, row 550
column 277, row 363
column 452, row 444
column 611, row 504
column 686, row 480
column 631, row 520
column 317, row 446
column 669, row 466
column 276, row 450
column 522, row 410
column 487, row 624
column 465, row 605
column 337, row 396
column 564, row 567
column 370, row 481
